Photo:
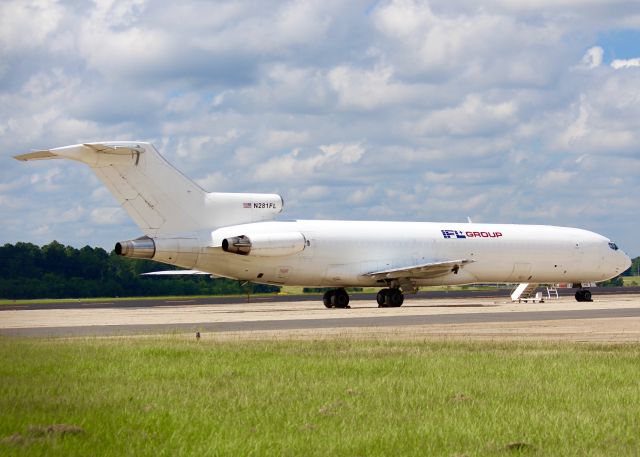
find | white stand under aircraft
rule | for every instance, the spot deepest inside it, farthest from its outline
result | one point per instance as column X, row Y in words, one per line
column 234, row 235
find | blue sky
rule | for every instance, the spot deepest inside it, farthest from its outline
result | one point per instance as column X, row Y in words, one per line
column 619, row 44
column 502, row 110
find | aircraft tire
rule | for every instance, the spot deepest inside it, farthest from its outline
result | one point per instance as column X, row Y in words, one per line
column 340, row 298
column 327, row 298
column 381, row 298
column 583, row 295
column 396, row 298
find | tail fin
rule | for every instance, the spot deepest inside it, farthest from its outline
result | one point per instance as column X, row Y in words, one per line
column 158, row 197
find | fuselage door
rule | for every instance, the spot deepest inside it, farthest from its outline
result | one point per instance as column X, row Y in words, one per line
column 521, row 272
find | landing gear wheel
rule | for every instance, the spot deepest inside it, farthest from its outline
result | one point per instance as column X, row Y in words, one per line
column 583, row 295
column 381, row 298
column 390, row 298
column 395, row 297
column 340, row 299
column 327, row 298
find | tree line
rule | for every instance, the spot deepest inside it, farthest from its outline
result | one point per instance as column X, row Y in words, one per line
column 58, row 271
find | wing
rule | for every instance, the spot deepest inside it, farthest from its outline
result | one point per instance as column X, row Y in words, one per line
column 422, row 271
column 175, row 272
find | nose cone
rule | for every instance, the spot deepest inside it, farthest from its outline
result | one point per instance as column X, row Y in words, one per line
column 625, row 262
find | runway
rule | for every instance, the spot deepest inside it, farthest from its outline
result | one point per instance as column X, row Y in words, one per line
column 227, row 300
column 609, row 318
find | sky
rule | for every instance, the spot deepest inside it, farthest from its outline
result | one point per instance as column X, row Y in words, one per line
column 509, row 111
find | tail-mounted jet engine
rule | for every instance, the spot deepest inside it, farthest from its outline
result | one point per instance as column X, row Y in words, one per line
column 265, row 244
column 177, row 250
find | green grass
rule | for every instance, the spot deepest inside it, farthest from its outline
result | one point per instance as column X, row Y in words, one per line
column 6, row 301
column 631, row 280
column 171, row 396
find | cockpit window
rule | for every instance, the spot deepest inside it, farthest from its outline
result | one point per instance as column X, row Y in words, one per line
column 613, row 246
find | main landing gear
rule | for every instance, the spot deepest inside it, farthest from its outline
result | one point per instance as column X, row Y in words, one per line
column 390, row 298
column 386, row 298
column 336, row 298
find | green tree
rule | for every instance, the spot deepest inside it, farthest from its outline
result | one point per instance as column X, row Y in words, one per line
column 58, row 271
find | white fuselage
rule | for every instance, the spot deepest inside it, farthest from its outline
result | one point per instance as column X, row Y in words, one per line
column 341, row 253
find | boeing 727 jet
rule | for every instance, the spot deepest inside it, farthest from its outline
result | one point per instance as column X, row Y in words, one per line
column 235, row 235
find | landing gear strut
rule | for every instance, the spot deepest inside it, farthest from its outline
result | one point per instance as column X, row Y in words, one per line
column 390, row 298
column 583, row 295
column 336, row 298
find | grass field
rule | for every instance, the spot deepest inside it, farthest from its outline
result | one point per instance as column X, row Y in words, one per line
column 631, row 280
column 176, row 396
column 8, row 301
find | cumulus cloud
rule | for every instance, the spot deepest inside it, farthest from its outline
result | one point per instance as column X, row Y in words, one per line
column 277, row 139
column 509, row 111
column 298, row 165
column 473, row 116
column 362, row 195
column 108, row 215
column 593, row 57
column 628, row 63
column 366, row 89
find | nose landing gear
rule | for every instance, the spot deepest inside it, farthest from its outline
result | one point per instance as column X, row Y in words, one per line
column 390, row 298
column 583, row 295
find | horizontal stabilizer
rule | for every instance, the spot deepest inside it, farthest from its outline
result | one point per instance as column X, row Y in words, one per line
column 37, row 155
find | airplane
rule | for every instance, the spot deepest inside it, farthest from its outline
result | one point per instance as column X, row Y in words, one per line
column 235, row 235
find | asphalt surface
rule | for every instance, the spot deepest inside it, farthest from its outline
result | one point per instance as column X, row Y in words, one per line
column 281, row 313
column 213, row 300
column 306, row 324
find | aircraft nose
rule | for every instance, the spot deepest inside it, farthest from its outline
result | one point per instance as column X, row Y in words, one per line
column 625, row 262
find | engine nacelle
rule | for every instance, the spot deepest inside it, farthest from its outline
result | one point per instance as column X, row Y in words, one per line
column 140, row 248
column 179, row 250
column 265, row 244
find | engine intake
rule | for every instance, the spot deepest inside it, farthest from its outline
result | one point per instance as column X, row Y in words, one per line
column 265, row 244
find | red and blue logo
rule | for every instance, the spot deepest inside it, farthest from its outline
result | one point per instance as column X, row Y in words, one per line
column 469, row 234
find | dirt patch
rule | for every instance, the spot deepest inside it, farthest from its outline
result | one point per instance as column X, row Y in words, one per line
column 331, row 409
column 39, row 432
column 519, row 446
column 461, row 397
column 55, row 429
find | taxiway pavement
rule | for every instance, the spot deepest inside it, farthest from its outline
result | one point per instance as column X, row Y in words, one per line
column 609, row 318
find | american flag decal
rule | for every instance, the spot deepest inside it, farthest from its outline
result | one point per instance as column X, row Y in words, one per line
column 246, row 205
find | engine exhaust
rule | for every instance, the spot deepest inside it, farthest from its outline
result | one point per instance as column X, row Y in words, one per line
column 265, row 244
column 140, row 248
column 237, row 244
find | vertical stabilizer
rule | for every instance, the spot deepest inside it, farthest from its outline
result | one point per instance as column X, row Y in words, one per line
column 158, row 197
